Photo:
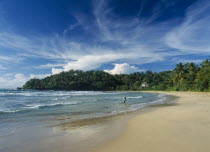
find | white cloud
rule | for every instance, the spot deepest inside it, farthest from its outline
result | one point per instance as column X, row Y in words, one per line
column 123, row 68
column 12, row 81
column 20, row 76
column 89, row 62
column 57, row 71
column 113, row 39
column 137, row 41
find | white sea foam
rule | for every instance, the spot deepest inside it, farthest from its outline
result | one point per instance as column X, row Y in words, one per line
column 9, row 110
column 142, row 105
column 94, row 100
column 36, row 106
column 54, row 93
column 137, row 97
column 32, row 106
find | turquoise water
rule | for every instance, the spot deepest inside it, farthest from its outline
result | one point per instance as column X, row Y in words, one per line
column 74, row 103
column 23, row 115
column 22, row 107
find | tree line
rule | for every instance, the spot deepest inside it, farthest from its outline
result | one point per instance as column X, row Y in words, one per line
column 184, row 77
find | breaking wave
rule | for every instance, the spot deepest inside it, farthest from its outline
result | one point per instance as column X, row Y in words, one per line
column 138, row 97
column 13, row 101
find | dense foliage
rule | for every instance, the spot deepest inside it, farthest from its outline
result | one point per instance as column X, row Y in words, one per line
column 185, row 77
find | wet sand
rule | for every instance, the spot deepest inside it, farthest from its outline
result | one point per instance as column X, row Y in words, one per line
column 182, row 127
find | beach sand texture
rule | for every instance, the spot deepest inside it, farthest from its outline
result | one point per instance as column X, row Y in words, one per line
column 183, row 127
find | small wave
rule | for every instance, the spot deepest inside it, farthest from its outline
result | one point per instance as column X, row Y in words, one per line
column 56, row 93
column 138, row 97
column 142, row 105
column 8, row 111
column 161, row 95
column 39, row 94
column 59, row 98
column 37, row 106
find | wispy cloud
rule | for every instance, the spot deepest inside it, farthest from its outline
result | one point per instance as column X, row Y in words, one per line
column 2, row 67
column 10, row 60
column 45, row 66
column 180, row 60
column 193, row 35
column 112, row 39
column 6, row 58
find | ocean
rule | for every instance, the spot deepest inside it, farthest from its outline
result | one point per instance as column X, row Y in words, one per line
column 40, row 117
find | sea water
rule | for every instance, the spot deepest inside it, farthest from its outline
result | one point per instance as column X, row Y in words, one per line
column 26, row 116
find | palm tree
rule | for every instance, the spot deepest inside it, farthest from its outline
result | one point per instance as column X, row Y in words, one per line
column 179, row 72
column 205, row 63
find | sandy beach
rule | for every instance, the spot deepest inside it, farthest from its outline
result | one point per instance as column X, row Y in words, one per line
column 183, row 127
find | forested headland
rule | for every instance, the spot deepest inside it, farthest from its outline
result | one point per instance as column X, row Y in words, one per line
column 184, row 77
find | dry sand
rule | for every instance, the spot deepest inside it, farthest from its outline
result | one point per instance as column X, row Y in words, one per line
column 184, row 127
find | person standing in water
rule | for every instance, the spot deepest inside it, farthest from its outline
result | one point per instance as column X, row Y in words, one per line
column 124, row 99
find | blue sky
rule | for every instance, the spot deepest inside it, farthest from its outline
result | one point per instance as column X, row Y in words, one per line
column 43, row 37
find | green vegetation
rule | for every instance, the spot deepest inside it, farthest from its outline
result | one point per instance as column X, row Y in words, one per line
column 185, row 77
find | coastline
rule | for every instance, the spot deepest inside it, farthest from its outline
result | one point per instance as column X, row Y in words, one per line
column 52, row 129
column 182, row 127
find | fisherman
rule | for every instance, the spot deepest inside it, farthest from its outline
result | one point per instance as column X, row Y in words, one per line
column 124, row 99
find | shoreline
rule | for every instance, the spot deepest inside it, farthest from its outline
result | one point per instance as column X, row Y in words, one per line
column 182, row 127
column 51, row 132
column 112, row 125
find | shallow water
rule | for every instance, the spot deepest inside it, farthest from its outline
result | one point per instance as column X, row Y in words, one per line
column 63, row 120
